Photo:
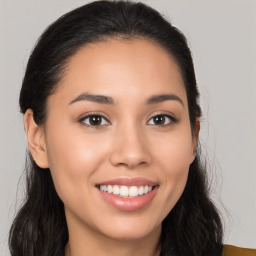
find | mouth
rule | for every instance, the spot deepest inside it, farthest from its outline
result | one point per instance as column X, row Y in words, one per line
column 126, row 191
column 128, row 194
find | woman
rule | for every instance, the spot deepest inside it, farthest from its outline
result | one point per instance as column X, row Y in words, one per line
column 112, row 119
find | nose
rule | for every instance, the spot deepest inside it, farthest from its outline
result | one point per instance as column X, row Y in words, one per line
column 130, row 148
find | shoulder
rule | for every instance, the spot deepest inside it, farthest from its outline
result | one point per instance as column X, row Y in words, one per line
column 230, row 250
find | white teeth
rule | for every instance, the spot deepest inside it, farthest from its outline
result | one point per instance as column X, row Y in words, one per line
column 133, row 191
column 141, row 190
column 125, row 191
column 104, row 188
column 115, row 190
column 110, row 189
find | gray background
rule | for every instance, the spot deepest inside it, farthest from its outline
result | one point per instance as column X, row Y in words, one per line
column 222, row 36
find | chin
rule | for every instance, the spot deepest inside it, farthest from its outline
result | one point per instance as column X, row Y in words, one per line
column 129, row 230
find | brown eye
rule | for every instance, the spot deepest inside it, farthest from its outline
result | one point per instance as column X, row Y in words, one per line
column 159, row 120
column 162, row 120
column 94, row 120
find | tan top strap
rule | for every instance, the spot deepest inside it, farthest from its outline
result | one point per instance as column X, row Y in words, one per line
column 230, row 250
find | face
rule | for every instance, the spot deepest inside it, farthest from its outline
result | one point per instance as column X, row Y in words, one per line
column 118, row 138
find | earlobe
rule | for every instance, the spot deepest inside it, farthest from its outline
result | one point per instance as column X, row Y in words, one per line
column 36, row 140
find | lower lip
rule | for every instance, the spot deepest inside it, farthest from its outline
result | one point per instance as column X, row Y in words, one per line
column 129, row 204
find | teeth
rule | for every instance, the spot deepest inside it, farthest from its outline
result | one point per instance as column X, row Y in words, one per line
column 133, row 191
column 115, row 190
column 125, row 191
column 110, row 189
column 141, row 191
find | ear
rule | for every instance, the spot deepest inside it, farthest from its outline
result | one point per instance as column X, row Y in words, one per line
column 196, row 135
column 36, row 140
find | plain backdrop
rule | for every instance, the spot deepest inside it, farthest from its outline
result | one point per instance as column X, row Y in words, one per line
column 222, row 37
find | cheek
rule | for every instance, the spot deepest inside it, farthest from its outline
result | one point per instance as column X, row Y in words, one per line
column 72, row 161
column 174, row 158
column 175, row 151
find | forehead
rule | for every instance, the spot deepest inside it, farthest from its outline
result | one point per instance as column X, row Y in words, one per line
column 115, row 66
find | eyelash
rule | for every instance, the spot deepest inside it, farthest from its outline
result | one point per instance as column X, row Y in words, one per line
column 172, row 121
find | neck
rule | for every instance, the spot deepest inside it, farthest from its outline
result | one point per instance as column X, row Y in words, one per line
column 117, row 250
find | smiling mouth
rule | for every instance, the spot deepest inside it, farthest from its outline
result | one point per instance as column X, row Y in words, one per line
column 126, row 191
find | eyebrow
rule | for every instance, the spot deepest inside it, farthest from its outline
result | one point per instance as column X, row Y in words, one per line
column 102, row 99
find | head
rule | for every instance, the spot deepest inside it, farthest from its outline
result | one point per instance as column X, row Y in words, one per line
column 129, row 53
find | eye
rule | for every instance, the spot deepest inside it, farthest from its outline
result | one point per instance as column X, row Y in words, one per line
column 162, row 120
column 94, row 120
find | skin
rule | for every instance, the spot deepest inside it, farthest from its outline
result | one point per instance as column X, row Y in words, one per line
column 128, row 143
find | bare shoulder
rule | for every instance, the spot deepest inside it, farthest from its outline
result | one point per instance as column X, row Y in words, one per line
column 230, row 250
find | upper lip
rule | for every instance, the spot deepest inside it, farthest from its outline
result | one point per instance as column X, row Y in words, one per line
column 128, row 182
